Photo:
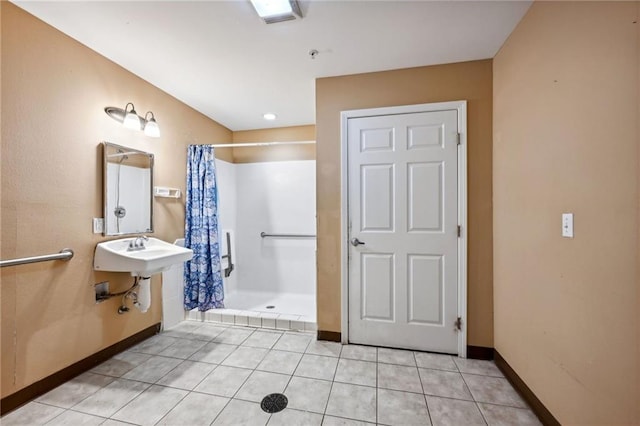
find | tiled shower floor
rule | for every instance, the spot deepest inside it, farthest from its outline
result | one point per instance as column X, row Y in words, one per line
column 202, row 374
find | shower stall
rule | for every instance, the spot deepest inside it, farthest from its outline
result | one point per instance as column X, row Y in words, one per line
column 267, row 216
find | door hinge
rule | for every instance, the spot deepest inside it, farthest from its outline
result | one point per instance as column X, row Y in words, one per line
column 459, row 231
column 458, row 324
column 458, row 138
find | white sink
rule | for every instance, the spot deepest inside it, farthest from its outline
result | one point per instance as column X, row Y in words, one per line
column 156, row 256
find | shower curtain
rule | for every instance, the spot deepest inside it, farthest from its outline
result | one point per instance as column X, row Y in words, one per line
column 202, row 274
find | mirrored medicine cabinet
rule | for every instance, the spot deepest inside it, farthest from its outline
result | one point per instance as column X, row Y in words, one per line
column 127, row 185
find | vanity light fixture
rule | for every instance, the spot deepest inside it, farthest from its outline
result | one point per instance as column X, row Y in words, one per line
column 272, row 11
column 131, row 120
column 269, row 116
column 151, row 128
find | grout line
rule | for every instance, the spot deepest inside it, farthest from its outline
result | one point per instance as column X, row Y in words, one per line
column 377, row 385
column 423, row 392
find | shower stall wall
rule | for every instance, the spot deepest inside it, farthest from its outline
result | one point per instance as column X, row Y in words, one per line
column 272, row 274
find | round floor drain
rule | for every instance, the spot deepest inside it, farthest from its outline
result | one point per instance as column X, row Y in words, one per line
column 274, row 403
column 271, row 306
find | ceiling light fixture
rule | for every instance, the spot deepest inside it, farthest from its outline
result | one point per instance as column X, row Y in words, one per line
column 269, row 116
column 272, row 11
column 131, row 120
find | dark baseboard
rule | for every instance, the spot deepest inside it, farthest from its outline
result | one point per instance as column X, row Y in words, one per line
column 480, row 352
column 332, row 336
column 34, row 390
column 536, row 405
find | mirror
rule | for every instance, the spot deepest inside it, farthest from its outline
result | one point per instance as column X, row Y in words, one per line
column 128, row 184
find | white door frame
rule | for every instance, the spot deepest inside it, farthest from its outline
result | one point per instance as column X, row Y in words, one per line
column 461, row 107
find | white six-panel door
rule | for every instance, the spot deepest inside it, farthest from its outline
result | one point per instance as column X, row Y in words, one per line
column 403, row 230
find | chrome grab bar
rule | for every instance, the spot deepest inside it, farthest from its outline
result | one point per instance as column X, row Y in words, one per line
column 265, row 235
column 230, row 267
column 64, row 254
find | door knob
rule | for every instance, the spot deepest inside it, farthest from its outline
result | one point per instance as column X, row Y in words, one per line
column 356, row 242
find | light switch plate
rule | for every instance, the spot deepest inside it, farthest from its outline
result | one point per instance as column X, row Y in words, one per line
column 98, row 225
column 567, row 225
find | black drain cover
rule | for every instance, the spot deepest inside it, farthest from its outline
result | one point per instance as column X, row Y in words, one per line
column 271, row 307
column 274, row 403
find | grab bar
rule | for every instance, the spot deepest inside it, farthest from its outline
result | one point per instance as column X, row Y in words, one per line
column 64, row 254
column 229, row 268
column 265, row 235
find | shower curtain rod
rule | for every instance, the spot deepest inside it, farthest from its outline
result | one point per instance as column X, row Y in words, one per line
column 252, row 144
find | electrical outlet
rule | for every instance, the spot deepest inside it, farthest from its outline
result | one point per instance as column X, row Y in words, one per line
column 567, row 225
column 98, row 225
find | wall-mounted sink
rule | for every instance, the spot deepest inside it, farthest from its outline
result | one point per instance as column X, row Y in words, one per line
column 127, row 255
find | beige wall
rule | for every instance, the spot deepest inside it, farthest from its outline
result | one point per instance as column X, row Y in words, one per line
column 275, row 153
column 471, row 81
column 566, row 139
column 54, row 92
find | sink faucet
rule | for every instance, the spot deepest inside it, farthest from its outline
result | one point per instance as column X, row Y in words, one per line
column 138, row 243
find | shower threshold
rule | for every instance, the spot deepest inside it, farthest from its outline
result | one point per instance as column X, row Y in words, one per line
column 263, row 310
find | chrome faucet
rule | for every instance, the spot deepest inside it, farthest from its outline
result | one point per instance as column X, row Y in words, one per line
column 138, row 243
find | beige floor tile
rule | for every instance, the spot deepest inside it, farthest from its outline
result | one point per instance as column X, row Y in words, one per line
column 478, row 366
column 111, row 398
column 30, row 414
column 233, row 336
column 153, row 369
column 399, row 377
column 187, row 375
column 435, row 361
column 360, row 353
column 316, row 367
column 280, row 362
column 154, row 345
column 246, row 357
column 497, row 415
column 293, row 342
column 262, row 339
column 223, row 381
column 289, row 417
column 339, row 421
column 396, row 356
column 183, row 348
column 244, row 413
column 121, row 363
column 322, row 347
column 150, row 406
column 494, row 390
column 195, row 409
column 260, row 384
column 213, row 353
column 402, row 408
column 75, row 390
column 75, row 418
column 308, row 394
column 352, row 402
column 448, row 384
column 356, row 372
column 453, row 412
column 207, row 332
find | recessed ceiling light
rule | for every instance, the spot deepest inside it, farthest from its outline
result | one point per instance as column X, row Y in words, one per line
column 272, row 11
column 269, row 116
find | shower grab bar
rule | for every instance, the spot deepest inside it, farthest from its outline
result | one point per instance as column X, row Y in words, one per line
column 265, row 235
column 64, row 254
column 230, row 267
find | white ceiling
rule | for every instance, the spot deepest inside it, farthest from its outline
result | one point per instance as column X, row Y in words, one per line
column 221, row 59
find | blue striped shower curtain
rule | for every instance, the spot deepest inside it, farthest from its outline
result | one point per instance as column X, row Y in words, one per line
column 202, row 274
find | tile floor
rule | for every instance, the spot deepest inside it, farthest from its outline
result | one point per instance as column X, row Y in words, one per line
column 204, row 374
